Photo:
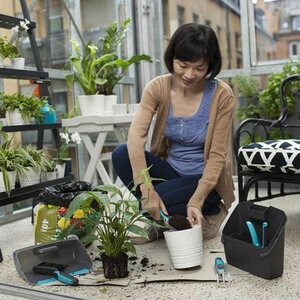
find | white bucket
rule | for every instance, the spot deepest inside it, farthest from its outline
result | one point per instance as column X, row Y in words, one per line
column 185, row 247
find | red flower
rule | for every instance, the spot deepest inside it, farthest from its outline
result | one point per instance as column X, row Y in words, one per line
column 62, row 211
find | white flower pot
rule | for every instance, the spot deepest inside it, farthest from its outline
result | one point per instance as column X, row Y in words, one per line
column 15, row 118
column 119, row 109
column 12, row 180
column 31, row 176
column 18, row 63
column 91, row 105
column 110, row 100
column 185, row 247
column 47, row 176
column 60, row 170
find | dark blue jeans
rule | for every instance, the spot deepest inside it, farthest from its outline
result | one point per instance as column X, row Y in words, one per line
column 175, row 191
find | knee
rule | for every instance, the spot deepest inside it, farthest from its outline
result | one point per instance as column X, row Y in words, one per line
column 120, row 152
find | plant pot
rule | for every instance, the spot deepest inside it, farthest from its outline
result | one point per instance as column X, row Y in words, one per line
column 47, row 176
column 16, row 118
column 3, row 121
column 91, row 105
column 119, row 109
column 18, row 63
column 60, row 170
column 11, row 178
column 115, row 267
column 185, row 247
column 110, row 100
column 32, row 176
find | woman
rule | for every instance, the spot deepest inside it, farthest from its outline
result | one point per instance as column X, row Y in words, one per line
column 190, row 139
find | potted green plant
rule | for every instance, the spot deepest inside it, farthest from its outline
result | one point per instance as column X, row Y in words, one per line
column 86, row 72
column 35, row 161
column 114, row 69
column 248, row 92
column 10, row 164
column 7, row 49
column 18, row 62
column 117, row 218
column 50, row 169
column 22, row 108
column 269, row 98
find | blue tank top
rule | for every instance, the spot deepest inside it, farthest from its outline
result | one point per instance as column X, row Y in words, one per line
column 187, row 135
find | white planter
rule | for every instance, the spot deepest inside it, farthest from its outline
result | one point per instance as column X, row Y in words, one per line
column 15, row 118
column 110, row 100
column 31, row 176
column 91, row 105
column 3, row 121
column 1, row 62
column 18, row 63
column 185, row 247
column 120, row 109
column 47, row 176
column 12, row 180
column 60, row 170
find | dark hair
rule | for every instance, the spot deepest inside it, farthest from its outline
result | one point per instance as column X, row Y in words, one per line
column 192, row 42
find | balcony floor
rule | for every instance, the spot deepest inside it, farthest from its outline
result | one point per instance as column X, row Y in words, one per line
column 19, row 234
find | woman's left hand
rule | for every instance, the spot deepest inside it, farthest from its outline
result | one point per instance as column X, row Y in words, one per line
column 194, row 215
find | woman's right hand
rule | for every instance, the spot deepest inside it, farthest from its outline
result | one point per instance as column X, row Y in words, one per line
column 152, row 202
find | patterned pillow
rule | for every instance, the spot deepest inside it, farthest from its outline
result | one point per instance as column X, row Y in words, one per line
column 277, row 156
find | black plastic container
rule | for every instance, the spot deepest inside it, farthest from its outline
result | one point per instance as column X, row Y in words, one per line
column 263, row 261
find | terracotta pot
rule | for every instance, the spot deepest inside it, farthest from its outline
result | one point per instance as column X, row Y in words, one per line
column 115, row 267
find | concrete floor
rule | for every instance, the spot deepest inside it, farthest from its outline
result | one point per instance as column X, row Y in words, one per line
column 19, row 234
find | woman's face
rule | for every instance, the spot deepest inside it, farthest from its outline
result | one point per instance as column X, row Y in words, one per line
column 189, row 73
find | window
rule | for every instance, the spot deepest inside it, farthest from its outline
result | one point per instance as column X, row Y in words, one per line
column 296, row 23
column 294, row 49
column 56, row 24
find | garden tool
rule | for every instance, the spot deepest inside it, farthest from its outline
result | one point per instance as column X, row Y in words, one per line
column 178, row 222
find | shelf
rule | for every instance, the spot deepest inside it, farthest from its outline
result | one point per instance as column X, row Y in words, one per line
column 22, row 74
column 31, row 191
column 29, row 127
column 9, row 22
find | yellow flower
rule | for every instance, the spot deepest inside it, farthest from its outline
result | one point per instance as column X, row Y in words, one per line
column 78, row 214
column 62, row 223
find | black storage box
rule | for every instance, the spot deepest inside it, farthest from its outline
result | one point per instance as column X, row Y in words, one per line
column 263, row 261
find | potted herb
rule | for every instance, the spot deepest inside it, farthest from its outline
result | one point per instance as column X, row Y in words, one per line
column 113, row 70
column 86, row 72
column 117, row 218
column 22, row 108
column 247, row 87
column 50, row 172
column 10, row 164
column 35, row 161
column 7, row 50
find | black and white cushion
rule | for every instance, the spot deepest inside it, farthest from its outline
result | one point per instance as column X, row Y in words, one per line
column 277, row 156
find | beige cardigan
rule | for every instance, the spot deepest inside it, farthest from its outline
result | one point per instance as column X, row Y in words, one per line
column 217, row 172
